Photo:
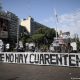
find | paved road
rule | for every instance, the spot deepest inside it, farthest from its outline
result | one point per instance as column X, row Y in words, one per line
column 34, row 72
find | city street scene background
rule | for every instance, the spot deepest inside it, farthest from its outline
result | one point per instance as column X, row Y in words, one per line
column 39, row 26
column 28, row 34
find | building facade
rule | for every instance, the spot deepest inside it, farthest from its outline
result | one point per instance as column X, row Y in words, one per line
column 9, row 24
column 31, row 25
column 22, row 31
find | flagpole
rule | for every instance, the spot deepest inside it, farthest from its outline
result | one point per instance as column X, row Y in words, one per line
column 56, row 16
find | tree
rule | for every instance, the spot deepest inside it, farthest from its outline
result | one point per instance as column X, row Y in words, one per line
column 44, row 36
column 38, row 39
column 49, row 34
column 24, row 38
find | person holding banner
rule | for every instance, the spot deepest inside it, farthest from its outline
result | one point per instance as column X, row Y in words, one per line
column 1, row 46
column 70, row 48
column 7, row 46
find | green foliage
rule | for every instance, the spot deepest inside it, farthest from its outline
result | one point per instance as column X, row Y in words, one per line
column 37, row 37
column 43, row 37
column 29, row 40
column 24, row 38
column 50, row 34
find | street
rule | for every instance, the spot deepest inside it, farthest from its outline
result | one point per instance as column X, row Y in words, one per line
column 36, row 72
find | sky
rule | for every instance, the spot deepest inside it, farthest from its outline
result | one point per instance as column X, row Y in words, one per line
column 42, row 11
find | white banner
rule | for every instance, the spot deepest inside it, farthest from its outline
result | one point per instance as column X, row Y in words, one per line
column 39, row 58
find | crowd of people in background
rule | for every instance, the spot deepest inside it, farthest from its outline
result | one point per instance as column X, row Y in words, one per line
column 30, row 47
